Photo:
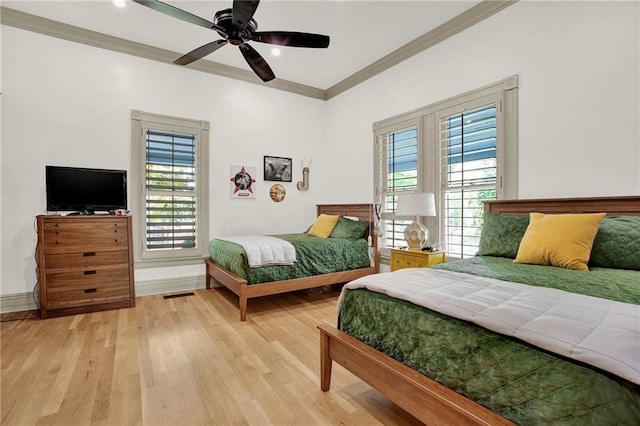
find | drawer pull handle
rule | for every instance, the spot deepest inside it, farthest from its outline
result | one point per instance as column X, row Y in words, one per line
column 89, row 253
column 91, row 290
column 90, row 272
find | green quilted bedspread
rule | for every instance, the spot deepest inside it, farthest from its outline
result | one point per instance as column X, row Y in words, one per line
column 615, row 284
column 514, row 379
column 314, row 256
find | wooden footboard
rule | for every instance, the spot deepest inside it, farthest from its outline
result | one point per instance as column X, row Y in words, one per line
column 425, row 399
column 245, row 291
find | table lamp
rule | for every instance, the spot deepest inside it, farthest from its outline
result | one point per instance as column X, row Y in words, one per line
column 414, row 205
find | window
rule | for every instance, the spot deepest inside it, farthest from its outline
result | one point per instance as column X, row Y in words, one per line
column 396, row 158
column 170, row 164
column 464, row 150
column 467, row 176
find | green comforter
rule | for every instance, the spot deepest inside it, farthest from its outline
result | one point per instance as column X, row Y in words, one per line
column 514, row 379
column 315, row 256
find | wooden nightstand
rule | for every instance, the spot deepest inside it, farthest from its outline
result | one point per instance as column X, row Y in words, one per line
column 403, row 258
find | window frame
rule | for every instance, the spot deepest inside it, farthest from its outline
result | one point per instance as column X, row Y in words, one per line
column 505, row 94
column 441, row 116
column 381, row 134
column 140, row 122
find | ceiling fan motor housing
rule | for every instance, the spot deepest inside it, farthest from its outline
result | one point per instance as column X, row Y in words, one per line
column 233, row 34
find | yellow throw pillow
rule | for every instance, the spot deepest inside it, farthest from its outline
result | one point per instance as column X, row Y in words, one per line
column 562, row 240
column 323, row 225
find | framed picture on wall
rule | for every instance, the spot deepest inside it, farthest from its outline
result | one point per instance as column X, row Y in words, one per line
column 277, row 169
column 242, row 180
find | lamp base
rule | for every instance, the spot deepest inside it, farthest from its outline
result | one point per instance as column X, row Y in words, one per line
column 416, row 235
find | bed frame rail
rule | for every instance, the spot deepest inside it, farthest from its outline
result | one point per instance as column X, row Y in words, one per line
column 426, row 399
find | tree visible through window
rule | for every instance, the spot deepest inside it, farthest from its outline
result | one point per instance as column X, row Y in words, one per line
column 468, row 165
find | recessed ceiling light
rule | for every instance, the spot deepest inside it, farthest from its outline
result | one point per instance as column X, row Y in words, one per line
column 120, row 3
column 275, row 51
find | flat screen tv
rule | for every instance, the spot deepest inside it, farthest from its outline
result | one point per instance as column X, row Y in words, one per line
column 85, row 190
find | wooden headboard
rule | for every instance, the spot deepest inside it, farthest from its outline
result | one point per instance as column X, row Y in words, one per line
column 364, row 211
column 613, row 206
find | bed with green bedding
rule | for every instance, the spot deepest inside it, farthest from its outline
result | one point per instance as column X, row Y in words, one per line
column 349, row 251
column 470, row 374
column 513, row 379
column 315, row 256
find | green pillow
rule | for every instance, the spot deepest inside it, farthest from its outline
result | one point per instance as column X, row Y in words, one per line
column 347, row 228
column 617, row 243
column 501, row 235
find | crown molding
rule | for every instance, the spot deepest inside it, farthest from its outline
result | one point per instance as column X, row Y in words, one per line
column 37, row 24
column 468, row 18
column 477, row 13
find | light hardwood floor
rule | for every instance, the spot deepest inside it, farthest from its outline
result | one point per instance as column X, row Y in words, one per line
column 183, row 361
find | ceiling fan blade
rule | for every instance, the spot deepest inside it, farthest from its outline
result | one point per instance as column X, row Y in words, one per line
column 292, row 38
column 257, row 63
column 167, row 9
column 243, row 11
column 200, row 52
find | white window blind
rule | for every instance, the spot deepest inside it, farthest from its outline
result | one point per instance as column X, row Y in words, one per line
column 397, row 171
column 467, row 176
column 170, row 190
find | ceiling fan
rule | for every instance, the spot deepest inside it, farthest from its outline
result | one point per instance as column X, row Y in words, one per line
column 236, row 26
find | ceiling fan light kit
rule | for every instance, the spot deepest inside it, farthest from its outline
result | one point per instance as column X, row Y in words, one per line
column 237, row 27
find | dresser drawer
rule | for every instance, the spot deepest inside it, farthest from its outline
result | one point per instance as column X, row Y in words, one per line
column 86, row 259
column 64, row 279
column 82, row 295
column 67, row 236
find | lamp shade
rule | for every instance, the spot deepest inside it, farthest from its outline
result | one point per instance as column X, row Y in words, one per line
column 416, row 204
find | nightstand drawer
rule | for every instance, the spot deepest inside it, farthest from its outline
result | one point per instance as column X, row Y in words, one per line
column 415, row 259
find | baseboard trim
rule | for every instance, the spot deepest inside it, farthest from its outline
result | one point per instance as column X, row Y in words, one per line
column 169, row 285
column 19, row 302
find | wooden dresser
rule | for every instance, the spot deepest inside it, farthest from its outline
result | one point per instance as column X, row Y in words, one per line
column 85, row 264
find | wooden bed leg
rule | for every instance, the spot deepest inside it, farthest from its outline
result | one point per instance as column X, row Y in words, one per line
column 207, row 276
column 325, row 362
column 243, row 307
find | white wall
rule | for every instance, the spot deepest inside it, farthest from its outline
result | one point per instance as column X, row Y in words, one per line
column 579, row 133
column 579, row 96
column 69, row 104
